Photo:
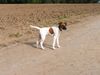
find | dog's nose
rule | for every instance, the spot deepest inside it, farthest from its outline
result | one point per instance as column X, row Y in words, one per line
column 65, row 28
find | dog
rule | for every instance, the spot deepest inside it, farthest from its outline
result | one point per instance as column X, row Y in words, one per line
column 54, row 30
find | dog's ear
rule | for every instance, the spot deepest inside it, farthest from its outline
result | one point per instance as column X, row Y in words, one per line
column 65, row 23
column 60, row 23
column 60, row 26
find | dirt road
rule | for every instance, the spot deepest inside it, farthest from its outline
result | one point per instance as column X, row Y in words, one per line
column 79, row 53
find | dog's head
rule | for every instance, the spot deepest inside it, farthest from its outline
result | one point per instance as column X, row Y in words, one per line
column 62, row 26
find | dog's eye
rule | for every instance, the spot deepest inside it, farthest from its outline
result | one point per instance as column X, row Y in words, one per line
column 64, row 27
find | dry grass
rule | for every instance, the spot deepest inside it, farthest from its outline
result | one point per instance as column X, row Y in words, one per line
column 15, row 19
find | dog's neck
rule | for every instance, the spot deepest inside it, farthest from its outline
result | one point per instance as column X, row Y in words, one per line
column 59, row 28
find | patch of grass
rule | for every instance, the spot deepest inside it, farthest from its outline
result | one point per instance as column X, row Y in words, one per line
column 62, row 17
column 15, row 35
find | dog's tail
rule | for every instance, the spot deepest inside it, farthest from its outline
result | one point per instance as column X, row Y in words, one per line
column 35, row 27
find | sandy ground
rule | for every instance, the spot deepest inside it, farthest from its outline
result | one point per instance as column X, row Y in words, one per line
column 16, row 18
column 79, row 53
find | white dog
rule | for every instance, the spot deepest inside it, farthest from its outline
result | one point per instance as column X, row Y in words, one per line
column 54, row 30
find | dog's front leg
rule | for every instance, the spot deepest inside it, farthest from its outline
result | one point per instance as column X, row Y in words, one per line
column 58, row 42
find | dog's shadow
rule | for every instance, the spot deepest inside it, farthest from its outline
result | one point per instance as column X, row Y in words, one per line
column 34, row 45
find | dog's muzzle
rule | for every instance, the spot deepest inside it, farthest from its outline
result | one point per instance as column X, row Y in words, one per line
column 64, row 28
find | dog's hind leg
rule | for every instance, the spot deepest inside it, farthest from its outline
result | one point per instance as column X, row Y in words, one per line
column 38, row 41
column 42, row 41
column 41, row 44
column 37, row 44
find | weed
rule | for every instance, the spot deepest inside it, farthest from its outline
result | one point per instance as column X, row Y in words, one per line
column 15, row 35
column 62, row 17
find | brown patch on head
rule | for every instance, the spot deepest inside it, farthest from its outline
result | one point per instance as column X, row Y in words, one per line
column 51, row 31
column 62, row 26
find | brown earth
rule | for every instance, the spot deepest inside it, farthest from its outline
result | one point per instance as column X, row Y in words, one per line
column 79, row 53
column 16, row 18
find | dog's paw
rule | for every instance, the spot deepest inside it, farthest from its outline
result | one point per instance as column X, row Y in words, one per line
column 53, row 48
column 43, row 48
column 58, row 46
